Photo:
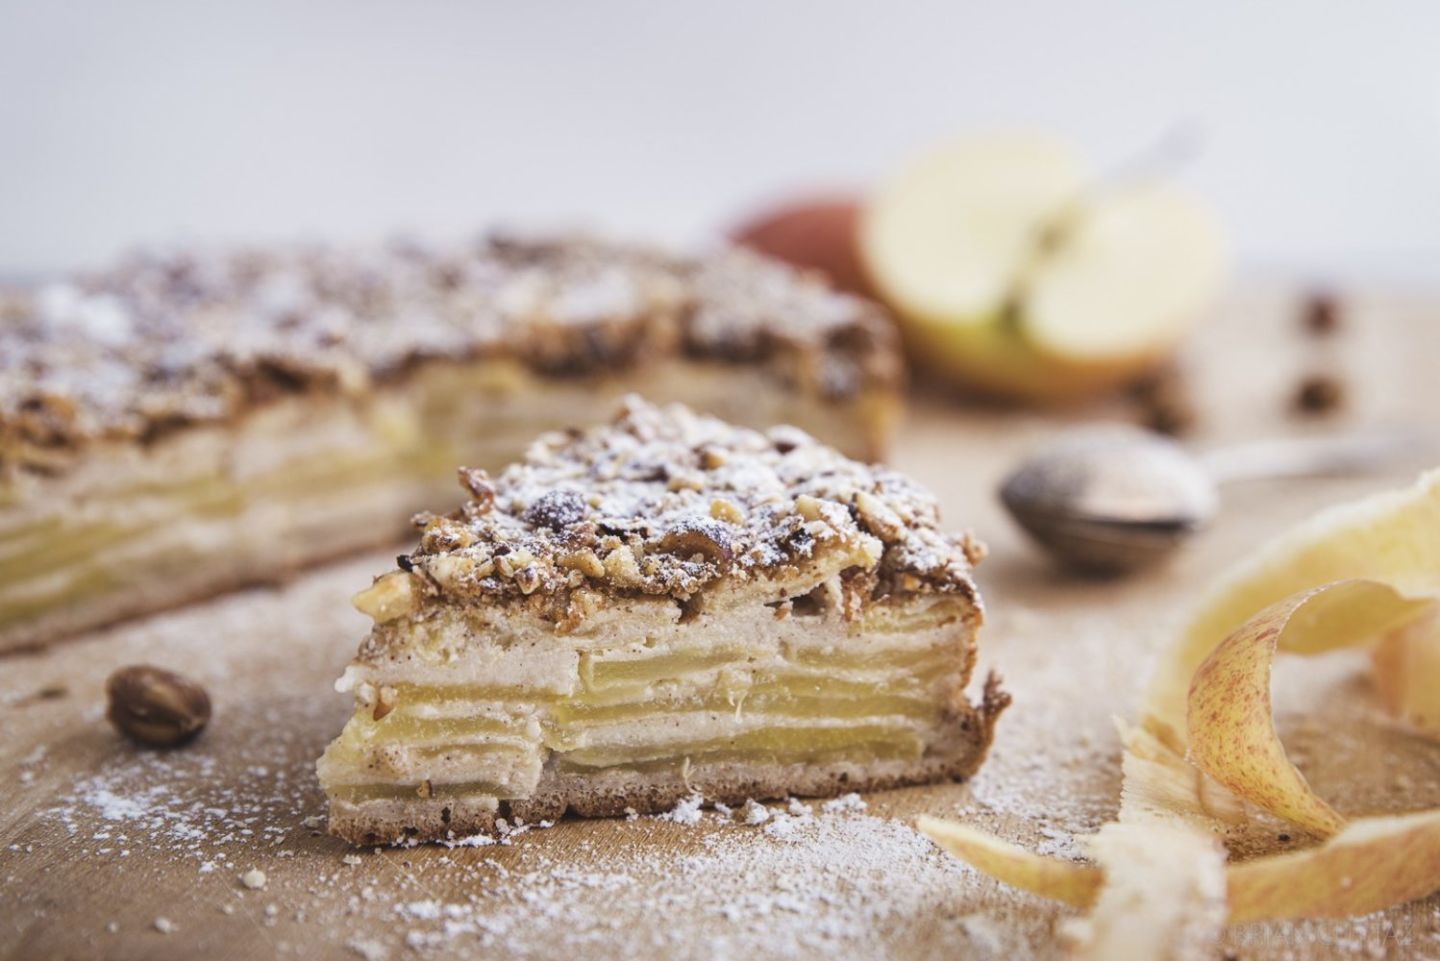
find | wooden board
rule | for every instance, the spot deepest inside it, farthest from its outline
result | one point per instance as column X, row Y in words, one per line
column 99, row 840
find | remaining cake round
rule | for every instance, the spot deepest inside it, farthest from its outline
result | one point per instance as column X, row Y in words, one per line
column 186, row 424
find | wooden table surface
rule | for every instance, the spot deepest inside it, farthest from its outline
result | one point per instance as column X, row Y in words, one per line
column 102, row 845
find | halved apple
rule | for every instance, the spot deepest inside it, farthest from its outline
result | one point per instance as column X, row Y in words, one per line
column 1014, row 271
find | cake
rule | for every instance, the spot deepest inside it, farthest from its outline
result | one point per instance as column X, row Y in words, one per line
column 182, row 425
column 659, row 608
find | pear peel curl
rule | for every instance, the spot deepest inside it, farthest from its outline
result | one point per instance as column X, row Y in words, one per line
column 1205, row 753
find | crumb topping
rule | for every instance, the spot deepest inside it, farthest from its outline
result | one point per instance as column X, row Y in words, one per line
column 664, row 501
column 165, row 341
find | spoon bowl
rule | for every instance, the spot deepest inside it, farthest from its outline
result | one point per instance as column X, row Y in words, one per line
column 1110, row 498
column 1114, row 498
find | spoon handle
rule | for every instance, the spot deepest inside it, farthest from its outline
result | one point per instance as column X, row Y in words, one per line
column 1337, row 455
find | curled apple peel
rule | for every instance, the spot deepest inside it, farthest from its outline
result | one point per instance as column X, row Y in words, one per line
column 1205, row 755
column 1231, row 730
column 1059, row 880
column 1372, row 864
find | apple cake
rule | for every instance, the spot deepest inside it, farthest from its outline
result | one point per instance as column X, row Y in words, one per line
column 182, row 425
column 653, row 609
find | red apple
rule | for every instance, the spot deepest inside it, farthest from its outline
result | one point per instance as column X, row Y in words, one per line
column 814, row 233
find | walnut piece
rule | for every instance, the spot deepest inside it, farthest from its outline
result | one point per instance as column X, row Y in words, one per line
column 385, row 698
column 705, row 537
column 476, row 483
column 585, row 562
column 391, row 596
column 878, row 517
column 723, row 510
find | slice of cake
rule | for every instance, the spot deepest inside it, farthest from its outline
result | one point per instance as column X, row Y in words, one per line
column 183, row 425
column 657, row 608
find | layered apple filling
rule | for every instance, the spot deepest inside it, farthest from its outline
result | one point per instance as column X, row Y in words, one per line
column 771, row 701
column 655, row 608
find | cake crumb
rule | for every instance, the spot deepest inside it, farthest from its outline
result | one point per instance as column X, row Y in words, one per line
column 686, row 811
column 755, row 813
column 254, row 879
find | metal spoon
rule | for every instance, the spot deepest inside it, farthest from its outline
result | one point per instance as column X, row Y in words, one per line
column 1114, row 497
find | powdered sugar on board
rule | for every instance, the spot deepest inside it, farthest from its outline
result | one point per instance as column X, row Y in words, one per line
column 830, row 881
column 787, row 878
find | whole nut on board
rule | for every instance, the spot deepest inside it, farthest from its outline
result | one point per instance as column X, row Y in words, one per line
column 155, row 706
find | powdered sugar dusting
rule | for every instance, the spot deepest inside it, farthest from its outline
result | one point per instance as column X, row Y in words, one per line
column 687, row 811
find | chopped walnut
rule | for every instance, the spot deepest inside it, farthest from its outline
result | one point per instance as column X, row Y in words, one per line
column 476, row 482
column 808, row 507
column 723, row 510
column 704, row 537
column 509, row 563
column 685, row 482
column 622, row 568
column 384, row 701
column 450, row 570
column 879, row 519
column 585, row 562
column 527, row 579
column 391, row 596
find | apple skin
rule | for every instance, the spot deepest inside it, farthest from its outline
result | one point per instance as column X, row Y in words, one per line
column 991, row 358
column 813, row 233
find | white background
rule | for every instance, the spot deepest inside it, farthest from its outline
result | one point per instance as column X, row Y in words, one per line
column 147, row 122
